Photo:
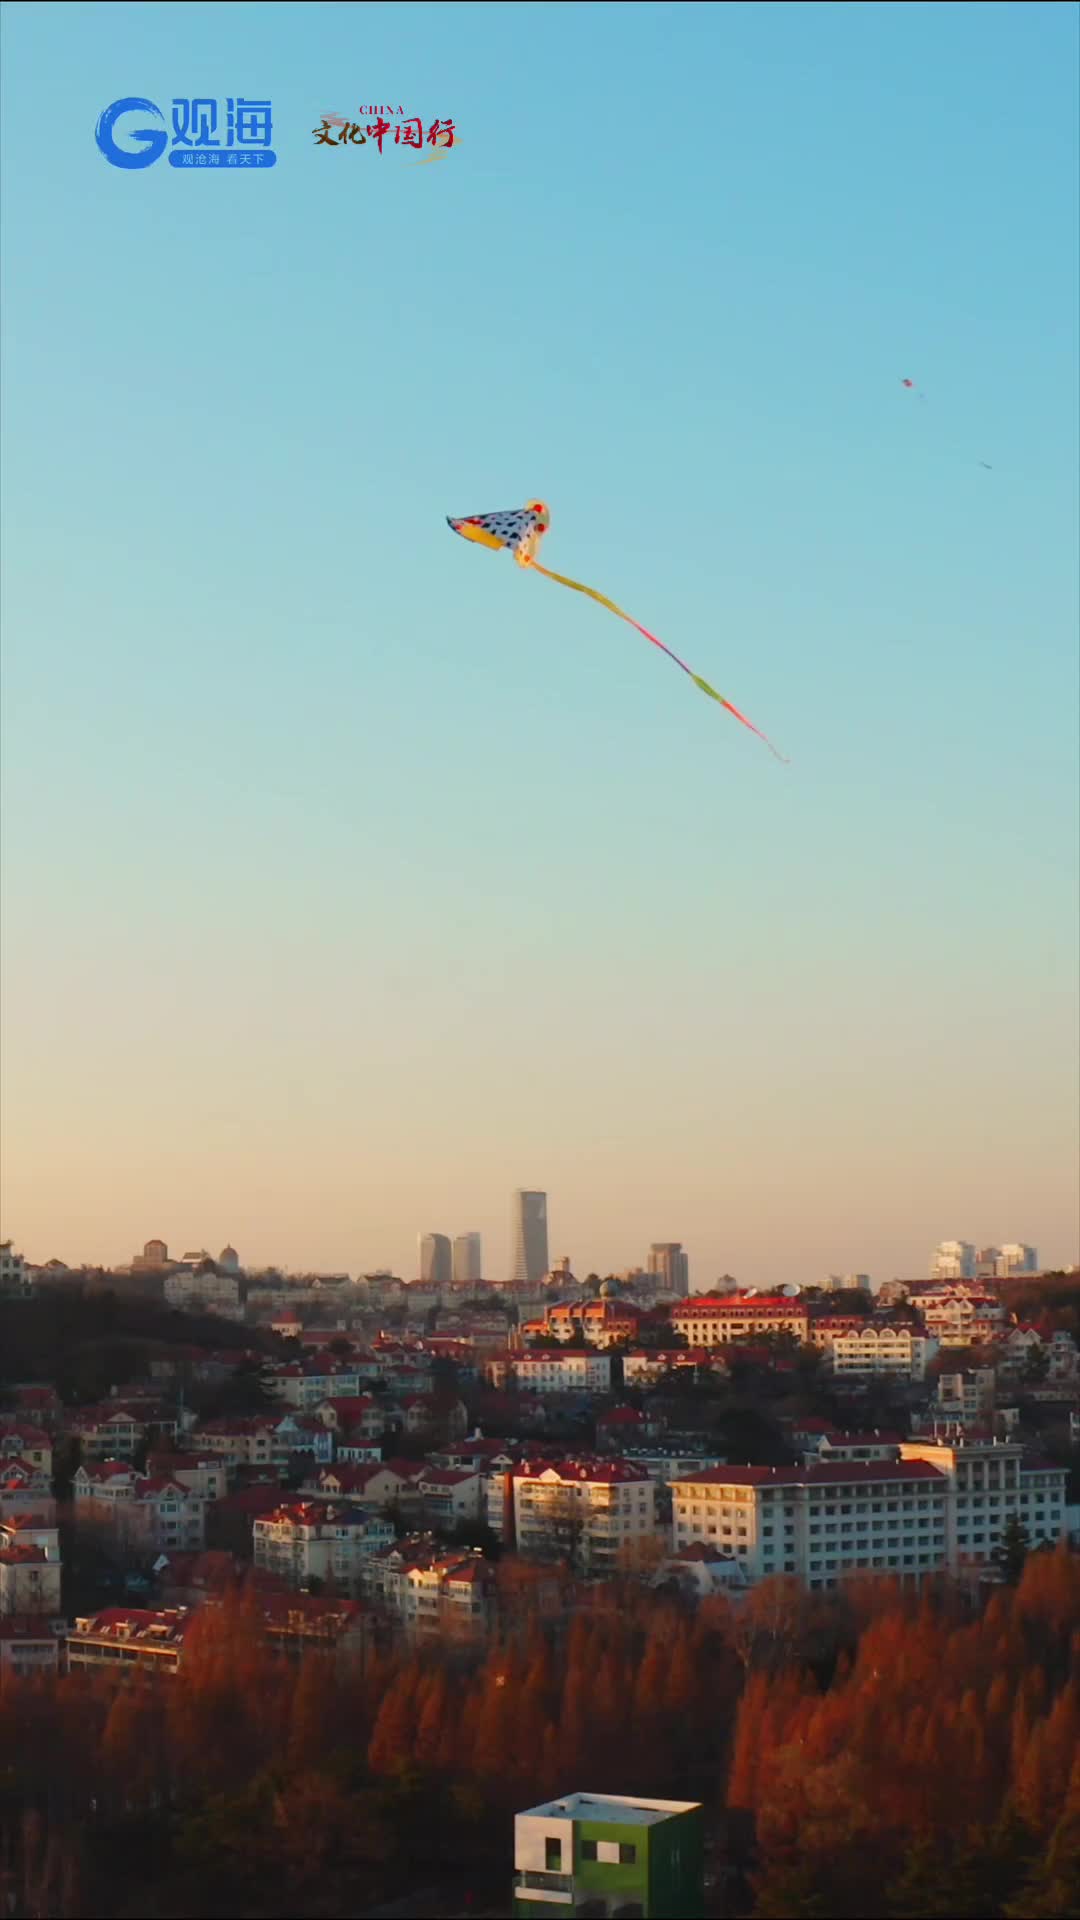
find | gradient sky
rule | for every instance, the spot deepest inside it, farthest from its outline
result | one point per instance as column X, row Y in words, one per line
column 352, row 878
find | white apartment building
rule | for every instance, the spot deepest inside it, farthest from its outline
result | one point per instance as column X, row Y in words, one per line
column 29, row 1582
column 645, row 1365
column 139, row 1510
column 990, row 1481
column 585, row 1511
column 709, row 1320
column 901, row 1351
column 565, row 1372
column 819, row 1523
column 318, row 1540
column 205, row 1293
column 967, row 1396
column 431, row 1589
column 450, row 1495
column 960, row 1316
column 15, row 1282
column 239, row 1442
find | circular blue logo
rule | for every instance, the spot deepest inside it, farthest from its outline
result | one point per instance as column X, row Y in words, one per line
column 153, row 140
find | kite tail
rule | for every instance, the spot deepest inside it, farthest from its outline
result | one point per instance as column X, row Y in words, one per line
column 644, row 631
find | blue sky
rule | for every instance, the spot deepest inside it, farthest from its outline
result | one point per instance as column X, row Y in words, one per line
column 353, row 878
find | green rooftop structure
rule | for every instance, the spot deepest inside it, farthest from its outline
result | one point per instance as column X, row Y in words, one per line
column 604, row 1854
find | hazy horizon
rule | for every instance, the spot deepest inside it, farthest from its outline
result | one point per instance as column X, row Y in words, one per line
column 352, row 878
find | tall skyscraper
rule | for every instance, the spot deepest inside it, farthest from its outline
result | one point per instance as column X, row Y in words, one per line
column 435, row 1260
column 468, row 1261
column 1016, row 1258
column 953, row 1260
column 530, row 1237
column 671, row 1266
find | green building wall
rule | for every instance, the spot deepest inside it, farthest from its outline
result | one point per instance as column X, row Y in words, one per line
column 667, row 1879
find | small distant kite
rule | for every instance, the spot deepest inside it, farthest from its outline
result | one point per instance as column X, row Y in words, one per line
column 520, row 530
column 920, row 395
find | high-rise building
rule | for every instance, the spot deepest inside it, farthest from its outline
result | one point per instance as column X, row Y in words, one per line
column 953, row 1260
column 1018, row 1259
column 530, row 1237
column 435, row 1259
column 468, row 1260
column 668, row 1261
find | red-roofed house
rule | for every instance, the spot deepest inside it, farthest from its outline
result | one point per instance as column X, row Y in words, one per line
column 373, row 1484
column 30, row 1645
column 204, row 1475
column 643, row 1366
column 358, row 1416
column 240, row 1442
column 106, row 1433
column 431, row 1589
column 316, row 1539
column 450, row 1495
column 24, row 1488
column 130, row 1639
column 140, row 1510
column 587, row 1511
column 19, row 1440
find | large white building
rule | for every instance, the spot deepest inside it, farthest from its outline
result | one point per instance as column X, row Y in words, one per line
column 319, row 1540
column 941, row 1508
column 436, row 1266
column 710, row 1320
column 587, row 1511
column 901, row 1351
column 29, row 1581
column 545, row 1371
column 819, row 1522
column 953, row 1260
column 204, row 1290
column 530, row 1238
column 990, row 1482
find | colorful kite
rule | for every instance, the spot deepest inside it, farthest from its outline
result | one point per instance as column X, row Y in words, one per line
column 521, row 531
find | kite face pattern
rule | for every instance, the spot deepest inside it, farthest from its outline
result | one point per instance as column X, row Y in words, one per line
column 520, row 531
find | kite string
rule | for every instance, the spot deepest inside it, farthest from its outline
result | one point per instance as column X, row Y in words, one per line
column 603, row 601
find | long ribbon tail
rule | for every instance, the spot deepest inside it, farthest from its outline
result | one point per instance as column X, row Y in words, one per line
column 603, row 601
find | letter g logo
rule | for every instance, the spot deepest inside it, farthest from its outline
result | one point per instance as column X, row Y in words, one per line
column 153, row 140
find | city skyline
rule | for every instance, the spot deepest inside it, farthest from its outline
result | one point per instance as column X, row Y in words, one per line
column 658, row 1257
column 329, row 909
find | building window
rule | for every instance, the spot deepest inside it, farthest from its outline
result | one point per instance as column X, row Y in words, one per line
column 627, row 1855
column 553, row 1855
column 588, row 1849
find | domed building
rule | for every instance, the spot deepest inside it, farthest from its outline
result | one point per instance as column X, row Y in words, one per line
column 228, row 1260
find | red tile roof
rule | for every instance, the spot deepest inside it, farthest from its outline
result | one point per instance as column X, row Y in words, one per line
column 835, row 1473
